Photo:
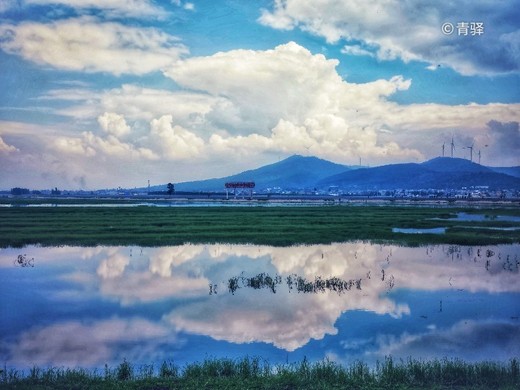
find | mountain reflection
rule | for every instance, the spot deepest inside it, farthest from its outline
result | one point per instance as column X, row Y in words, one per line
column 283, row 296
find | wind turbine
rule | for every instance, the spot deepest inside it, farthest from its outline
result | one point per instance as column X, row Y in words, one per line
column 479, row 157
column 443, row 146
column 452, row 147
column 470, row 151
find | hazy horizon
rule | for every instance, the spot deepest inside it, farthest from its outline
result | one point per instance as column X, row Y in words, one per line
column 155, row 186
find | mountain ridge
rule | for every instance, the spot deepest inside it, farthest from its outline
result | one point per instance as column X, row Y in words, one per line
column 293, row 172
column 437, row 173
column 308, row 172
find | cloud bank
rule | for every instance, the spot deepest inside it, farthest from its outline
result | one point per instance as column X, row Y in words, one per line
column 88, row 45
column 473, row 341
column 77, row 344
column 410, row 30
column 240, row 103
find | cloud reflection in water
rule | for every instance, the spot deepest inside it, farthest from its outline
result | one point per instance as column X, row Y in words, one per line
column 117, row 299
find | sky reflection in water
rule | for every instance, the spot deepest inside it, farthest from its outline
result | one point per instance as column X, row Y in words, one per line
column 91, row 306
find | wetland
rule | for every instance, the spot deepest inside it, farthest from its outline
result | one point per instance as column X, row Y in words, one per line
column 277, row 226
column 291, row 287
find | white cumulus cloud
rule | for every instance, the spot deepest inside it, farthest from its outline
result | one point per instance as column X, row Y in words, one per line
column 410, row 30
column 6, row 148
column 114, row 124
column 175, row 141
column 288, row 99
column 85, row 44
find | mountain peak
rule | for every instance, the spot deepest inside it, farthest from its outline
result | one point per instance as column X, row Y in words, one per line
column 294, row 172
column 453, row 164
column 296, row 157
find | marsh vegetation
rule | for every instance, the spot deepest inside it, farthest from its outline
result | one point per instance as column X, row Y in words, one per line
column 256, row 373
column 277, row 226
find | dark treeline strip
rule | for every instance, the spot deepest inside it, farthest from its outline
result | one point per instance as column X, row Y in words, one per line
column 255, row 373
column 278, row 226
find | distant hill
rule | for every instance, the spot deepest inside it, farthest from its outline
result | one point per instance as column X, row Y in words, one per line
column 299, row 172
column 384, row 177
column 438, row 173
column 295, row 172
column 511, row 171
column 448, row 164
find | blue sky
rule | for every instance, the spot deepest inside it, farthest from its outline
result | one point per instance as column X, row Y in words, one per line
column 112, row 93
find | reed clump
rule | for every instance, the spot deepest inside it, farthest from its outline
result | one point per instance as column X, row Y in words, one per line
column 257, row 373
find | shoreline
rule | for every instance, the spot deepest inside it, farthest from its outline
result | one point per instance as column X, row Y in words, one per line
column 260, row 200
column 256, row 372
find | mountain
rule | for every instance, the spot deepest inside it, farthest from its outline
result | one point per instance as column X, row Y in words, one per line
column 448, row 164
column 295, row 172
column 438, row 173
column 386, row 176
column 511, row 171
column 299, row 172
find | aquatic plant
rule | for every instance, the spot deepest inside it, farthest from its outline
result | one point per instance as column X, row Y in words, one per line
column 293, row 281
column 24, row 261
column 255, row 372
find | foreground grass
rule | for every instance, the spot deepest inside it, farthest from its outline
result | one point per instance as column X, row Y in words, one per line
column 279, row 226
column 254, row 373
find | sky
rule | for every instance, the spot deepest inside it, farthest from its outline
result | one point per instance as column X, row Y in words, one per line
column 113, row 93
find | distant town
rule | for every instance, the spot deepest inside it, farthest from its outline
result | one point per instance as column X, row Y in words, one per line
column 275, row 193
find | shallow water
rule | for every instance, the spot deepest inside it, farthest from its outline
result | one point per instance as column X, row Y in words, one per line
column 438, row 230
column 71, row 306
column 483, row 217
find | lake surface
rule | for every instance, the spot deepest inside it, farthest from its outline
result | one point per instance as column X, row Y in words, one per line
column 481, row 218
column 439, row 230
column 75, row 306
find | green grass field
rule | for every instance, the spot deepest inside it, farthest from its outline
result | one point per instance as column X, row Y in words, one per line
column 279, row 226
column 254, row 373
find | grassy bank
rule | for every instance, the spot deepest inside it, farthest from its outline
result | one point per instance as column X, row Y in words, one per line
column 254, row 373
column 155, row 226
